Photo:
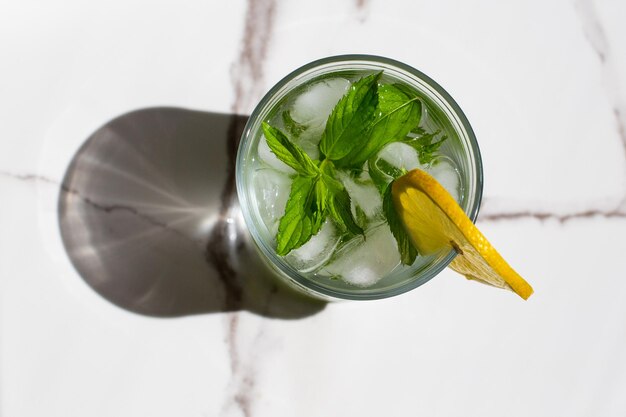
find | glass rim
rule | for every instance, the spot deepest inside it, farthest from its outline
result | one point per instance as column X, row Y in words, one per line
column 270, row 253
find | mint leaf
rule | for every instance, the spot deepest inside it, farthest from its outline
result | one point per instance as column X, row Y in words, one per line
column 425, row 146
column 350, row 117
column 294, row 128
column 301, row 220
column 340, row 211
column 361, row 217
column 418, row 130
column 288, row 152
column 408, row 253
column 339, row 201
column 399, row 111
column 318, row 197
column 329, row 175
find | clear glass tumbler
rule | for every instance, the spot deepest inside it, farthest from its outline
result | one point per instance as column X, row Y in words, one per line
column 461, row 146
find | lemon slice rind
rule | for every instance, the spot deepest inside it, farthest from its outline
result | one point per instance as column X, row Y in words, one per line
column 434, row 220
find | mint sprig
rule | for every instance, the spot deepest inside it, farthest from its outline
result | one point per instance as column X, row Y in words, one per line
column 305, row 210
column 314, row 195
column 369, row 116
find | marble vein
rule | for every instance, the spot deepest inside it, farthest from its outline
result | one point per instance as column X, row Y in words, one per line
column 362, row 7
column 106, row 208
column 545, row 216
column 620, row 119
column 599, row 42
column 593, row 29
column 235, row 292
column 247, row 79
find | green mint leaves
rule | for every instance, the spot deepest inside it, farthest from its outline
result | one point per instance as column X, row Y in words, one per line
column 302, row 218
column 305, row 209
column 425, row 145
column 350, row 117
column 314, row 195
column 288, row 152
column 294, row 128
column 399, row 111
column 369, row 116
column 408, row 253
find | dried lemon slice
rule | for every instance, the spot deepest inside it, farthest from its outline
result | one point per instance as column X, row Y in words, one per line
column 434, row 220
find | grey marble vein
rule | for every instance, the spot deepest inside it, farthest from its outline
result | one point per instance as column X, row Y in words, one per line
column 545, row 216
column 618, row 212
column 620, row 120
column 593, row 29
column 596, row 35
column 247, row 77
column 247, row 71
column 362, row 9
column 101, row 206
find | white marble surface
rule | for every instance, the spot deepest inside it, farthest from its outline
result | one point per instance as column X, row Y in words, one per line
column 541, row 82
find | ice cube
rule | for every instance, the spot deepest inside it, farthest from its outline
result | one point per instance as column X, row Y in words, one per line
column 268, row 157
column 272, row 192
column 445, row 172
column 364, row 262
column 316, row 251
column 401, row 156
column 313, row 107
column 363, row 194
column 309, row 143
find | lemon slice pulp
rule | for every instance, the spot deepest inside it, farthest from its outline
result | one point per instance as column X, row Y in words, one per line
column 433, row 220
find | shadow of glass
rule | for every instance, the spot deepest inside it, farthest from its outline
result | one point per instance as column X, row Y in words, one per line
column 150, row 219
